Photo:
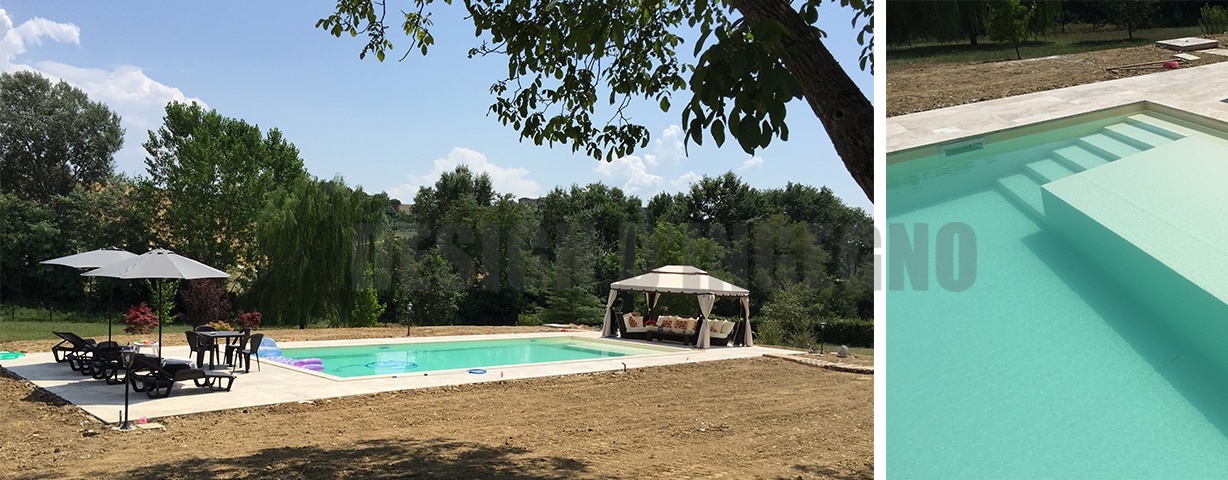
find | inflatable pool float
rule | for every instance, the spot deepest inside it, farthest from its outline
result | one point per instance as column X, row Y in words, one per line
column 11, row 355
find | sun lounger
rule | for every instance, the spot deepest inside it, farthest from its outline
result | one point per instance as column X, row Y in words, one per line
column 82, row 355
column 157, row 380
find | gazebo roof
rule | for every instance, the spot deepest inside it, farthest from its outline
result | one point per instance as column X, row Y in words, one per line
column 682, row 279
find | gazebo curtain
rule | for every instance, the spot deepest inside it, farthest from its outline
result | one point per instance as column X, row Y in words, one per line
column 747, row 337
column 705, row 309
column 607, row 325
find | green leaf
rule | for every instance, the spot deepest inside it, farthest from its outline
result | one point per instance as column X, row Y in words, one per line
column 664, row 104
column 718, row 132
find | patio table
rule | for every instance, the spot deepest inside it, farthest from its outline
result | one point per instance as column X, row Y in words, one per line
column 228, row 335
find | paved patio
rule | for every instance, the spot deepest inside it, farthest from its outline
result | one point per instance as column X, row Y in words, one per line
column 1199, row 90
column 277, row 383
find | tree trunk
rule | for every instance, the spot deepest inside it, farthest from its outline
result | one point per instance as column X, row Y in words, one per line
column 843, row 109
column 1018, row 56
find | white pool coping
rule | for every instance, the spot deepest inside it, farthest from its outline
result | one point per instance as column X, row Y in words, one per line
column 1199, row 90
column 274, row 384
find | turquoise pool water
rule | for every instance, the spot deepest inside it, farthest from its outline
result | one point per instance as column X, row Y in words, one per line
column 414, row 358
column 1051, row 364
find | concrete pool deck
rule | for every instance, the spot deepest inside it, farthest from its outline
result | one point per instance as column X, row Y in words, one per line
column 276, row 383
column 1198, row 90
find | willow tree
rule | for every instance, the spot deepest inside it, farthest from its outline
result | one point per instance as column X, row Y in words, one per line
column 753, row 57
column 307, row 234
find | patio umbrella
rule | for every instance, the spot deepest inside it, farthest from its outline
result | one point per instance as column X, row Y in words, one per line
column 160, row 264
column 93, row 259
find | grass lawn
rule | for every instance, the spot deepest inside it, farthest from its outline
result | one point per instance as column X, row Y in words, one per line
column 1053, row 44
column 18, row 331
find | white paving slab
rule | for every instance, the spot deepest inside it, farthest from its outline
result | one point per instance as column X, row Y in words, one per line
column 275, row 383
column 1200, row 90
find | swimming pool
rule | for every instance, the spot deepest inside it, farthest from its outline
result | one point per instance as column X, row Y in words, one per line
column 423, row 357
column 1088, row 345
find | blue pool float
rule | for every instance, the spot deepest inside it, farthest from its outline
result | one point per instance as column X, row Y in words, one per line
column 476, row 371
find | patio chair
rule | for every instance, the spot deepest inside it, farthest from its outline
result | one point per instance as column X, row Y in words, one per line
column 158, row 380
column 199, row 345
column 252, row 350
column 204, row 328
column 231, row 348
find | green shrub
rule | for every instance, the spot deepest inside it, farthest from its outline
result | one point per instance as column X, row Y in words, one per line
column 769, row 332
column 1214, row 19
column 367, row 307
column 854, row 332
column 528, row 320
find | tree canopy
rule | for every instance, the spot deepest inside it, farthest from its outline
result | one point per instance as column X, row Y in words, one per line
column 214, row 173
column 52, row 137
column 568, row 58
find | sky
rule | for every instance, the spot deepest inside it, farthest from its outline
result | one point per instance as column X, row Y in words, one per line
column 391, row 126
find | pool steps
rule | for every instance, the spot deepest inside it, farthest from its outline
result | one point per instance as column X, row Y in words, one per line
column 1136, row 134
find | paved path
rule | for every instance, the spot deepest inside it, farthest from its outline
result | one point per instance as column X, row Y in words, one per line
column 276, row 383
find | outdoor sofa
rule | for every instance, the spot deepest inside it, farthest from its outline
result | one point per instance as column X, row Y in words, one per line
column 669, row 327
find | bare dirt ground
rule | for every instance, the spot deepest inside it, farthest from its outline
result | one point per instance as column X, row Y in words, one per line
column 753, row 418
column 916, row 88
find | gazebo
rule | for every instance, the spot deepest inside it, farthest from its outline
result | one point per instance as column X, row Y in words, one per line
column 684, row 280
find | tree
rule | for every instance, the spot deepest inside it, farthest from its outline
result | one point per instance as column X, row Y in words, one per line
column 306, row 236
column 434, row 288
column 214, row 173
column 1008, row 23
column 52, row 137
column 367, row 307
column 560, row 53
column 724, row 200
column 1133, row 14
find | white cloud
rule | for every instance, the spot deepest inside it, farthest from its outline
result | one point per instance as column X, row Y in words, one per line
column 683, row 182
column 138, row 99
column 666, row 147
column 13, row 40
column 752, row 162
column 504, row 180
column 631, row 168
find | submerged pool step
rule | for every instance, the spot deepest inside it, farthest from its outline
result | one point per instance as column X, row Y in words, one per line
column 1161, row 127
column 1024, row 192
column 1136, row 136
column 1078, row 159
column 1107, row 146
column 1047, row 170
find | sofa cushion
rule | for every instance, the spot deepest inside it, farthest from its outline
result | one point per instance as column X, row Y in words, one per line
column 685, row 325
column 727, row 327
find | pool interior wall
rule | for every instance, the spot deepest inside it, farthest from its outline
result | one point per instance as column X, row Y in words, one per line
column 1074, row 354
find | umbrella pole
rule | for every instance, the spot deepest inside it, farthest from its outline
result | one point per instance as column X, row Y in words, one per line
column 160, row 301
column 110, row 307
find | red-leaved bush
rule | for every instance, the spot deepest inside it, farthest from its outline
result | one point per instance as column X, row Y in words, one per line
column 248, row 320
column 140, row 319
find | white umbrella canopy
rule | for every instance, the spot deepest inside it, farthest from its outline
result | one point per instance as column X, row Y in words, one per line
column 158, row 263
column 93, row 259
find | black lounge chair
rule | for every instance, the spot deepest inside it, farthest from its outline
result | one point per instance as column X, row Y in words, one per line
column 157, row 380
column 82, row 355
column 69, row 343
